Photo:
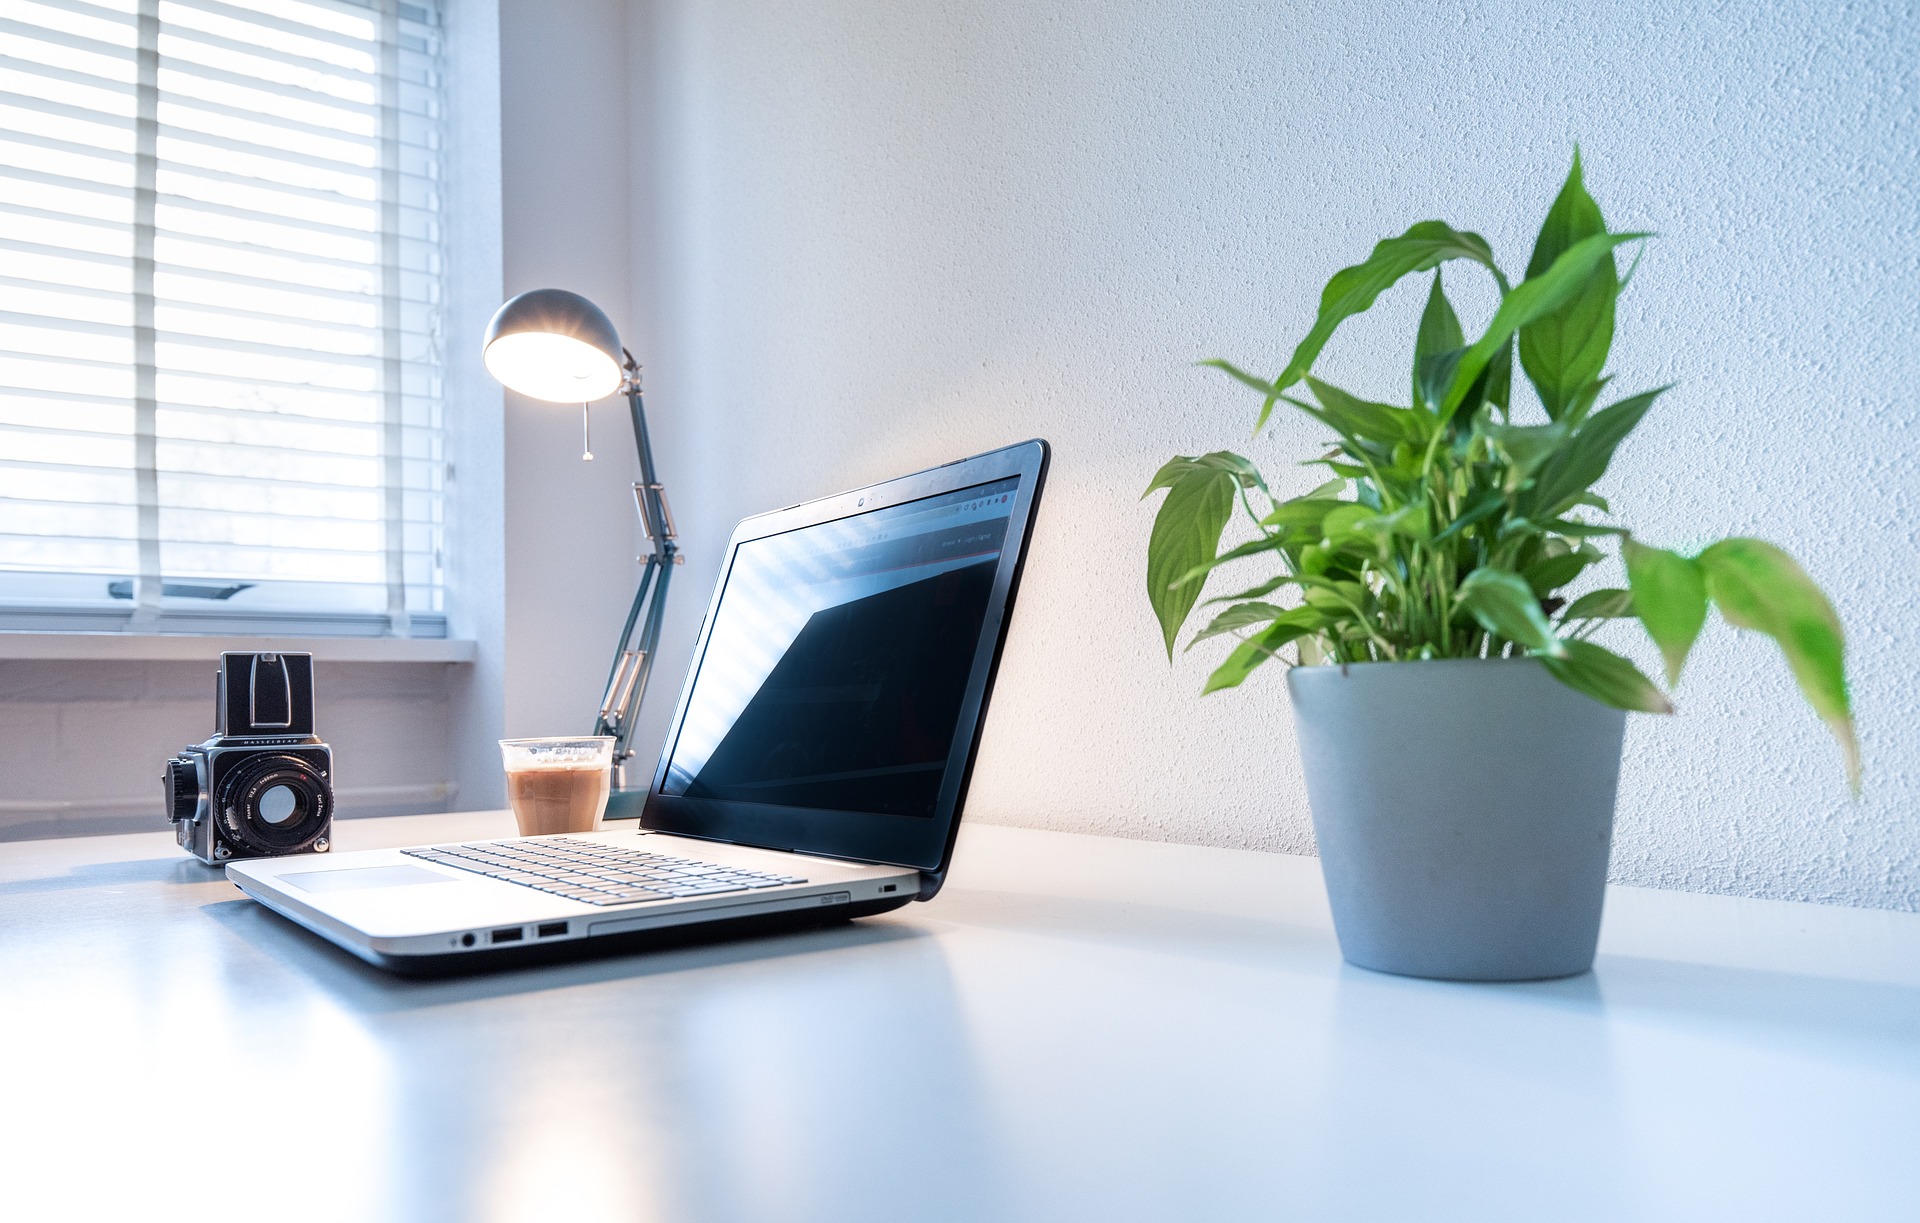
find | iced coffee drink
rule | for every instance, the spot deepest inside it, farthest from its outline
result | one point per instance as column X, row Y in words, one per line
column 558, row 785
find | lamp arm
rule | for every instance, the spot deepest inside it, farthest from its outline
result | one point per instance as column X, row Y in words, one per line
column 633, row 659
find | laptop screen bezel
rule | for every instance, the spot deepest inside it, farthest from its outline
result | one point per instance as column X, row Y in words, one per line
column 922, row 842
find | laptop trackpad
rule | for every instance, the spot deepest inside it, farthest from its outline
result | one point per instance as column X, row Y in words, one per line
column 354, row 878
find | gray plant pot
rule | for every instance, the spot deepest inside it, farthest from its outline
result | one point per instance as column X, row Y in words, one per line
column 1464, row 810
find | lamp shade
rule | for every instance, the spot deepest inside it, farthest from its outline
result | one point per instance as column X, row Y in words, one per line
column 553, row 345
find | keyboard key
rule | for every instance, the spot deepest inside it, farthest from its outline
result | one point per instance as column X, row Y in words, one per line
column 598, row 874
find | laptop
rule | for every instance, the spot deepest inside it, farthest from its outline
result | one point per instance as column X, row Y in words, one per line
column 814, row 771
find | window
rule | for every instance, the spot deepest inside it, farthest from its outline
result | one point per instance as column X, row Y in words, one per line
column 220, row 331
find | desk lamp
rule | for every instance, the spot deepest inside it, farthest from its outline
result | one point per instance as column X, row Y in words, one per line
column 556, row 346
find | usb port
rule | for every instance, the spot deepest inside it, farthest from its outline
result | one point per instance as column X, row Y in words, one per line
column 506, row 934
column 888, row 887
column 552, row 929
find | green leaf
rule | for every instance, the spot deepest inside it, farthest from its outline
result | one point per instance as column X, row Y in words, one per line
column 1503, row 603
column 1186, row 532
column 1244, row 615
column 1270, row 393
column 1607, row 678
column 1486, row 503
column 1569, row 526
column 1344, row 522
column 1352, row 290
column 1583, row 401
column 1335, row 597
column 1193, row 576
column 1759, row 587
column 1242, row 376
column 1526, row 447
column 1265, row 588
column 1350, row 471
column 1434, row 381
column 1670, row 596
column 1609, row 604
column 1564, row 348
column 1533, row 298
column 1410, row 521
column 1302, row 515
column 1254, row 651
column 1174, row 469
column 1550, row 573
column 1354, row 417
column 1499, row 377
column 1439, row 331
column 1433, row 374
column 1584, row 458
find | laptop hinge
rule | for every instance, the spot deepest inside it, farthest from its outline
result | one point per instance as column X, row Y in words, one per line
column 930, row 882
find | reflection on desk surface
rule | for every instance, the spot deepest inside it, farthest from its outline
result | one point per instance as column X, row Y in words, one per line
column 1076, row 1029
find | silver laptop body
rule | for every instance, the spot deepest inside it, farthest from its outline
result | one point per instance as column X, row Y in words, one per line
column 814, row 770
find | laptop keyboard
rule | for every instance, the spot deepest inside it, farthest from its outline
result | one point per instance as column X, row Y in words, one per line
column 597, row 874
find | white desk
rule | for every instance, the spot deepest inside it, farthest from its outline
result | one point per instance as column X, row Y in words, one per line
column 1077, row 1029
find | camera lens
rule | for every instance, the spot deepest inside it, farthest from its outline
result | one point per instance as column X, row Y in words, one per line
column 274, row 803
column 278, row 804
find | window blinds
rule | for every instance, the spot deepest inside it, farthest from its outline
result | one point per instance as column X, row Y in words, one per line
column 220, row 285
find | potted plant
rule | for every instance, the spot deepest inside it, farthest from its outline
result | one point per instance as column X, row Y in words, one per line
column 1459, row 725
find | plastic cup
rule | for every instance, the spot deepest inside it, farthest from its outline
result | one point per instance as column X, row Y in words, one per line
column 558, row 784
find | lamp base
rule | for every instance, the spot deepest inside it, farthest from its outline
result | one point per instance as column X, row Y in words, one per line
column 625, row 804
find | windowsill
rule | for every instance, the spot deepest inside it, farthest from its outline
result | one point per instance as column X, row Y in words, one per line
column 188, row 647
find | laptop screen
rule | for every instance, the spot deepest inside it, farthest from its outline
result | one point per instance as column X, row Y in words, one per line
column 838, row 660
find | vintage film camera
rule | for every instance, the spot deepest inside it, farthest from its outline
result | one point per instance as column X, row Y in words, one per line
column 263, row 785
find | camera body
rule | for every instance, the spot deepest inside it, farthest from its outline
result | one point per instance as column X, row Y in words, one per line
column 262, row 787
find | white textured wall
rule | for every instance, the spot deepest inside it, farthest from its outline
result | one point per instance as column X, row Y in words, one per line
column 83, row 743
column 877, row 236
column 474, row 410
column 569, row 525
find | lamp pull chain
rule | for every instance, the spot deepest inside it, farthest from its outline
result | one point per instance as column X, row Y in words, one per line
column 586, row 435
